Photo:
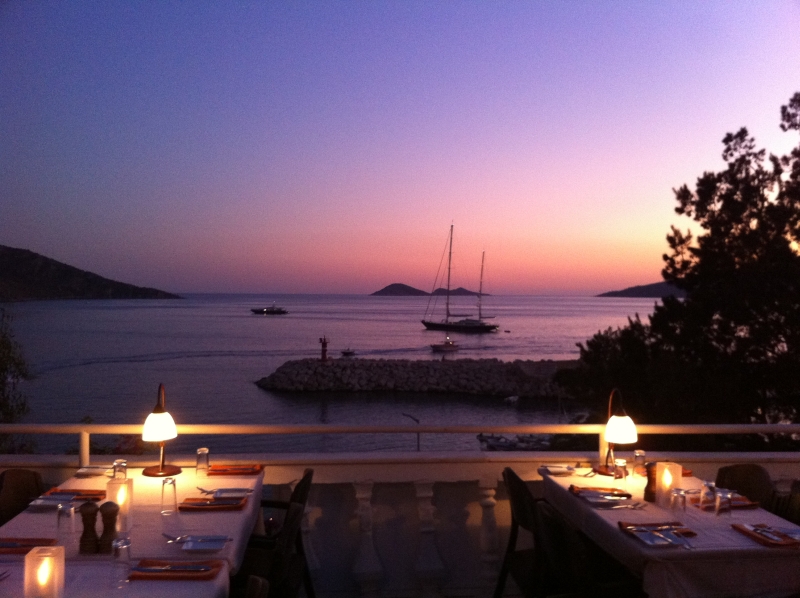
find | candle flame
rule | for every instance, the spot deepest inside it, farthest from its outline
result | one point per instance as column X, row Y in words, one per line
column 43, row 572
column 667, row 478
column 122, row 495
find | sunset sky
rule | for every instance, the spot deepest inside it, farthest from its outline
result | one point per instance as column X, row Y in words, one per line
column 326, row 147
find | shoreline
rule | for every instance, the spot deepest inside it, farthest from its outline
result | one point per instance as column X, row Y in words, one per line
column 488, row 377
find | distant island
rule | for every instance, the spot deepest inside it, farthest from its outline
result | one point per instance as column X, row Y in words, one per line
column 28, row 276
column 403, row 290
column 656, row 290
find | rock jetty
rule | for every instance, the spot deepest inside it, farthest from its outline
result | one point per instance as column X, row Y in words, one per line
column 490, row 377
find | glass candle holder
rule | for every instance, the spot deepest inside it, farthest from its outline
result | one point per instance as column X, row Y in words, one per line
column 120, row 491
column 668, row 476
column 44, row 572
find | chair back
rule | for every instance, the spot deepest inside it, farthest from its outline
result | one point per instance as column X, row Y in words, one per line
column 18, row 487
column 523, row 503
column 301, row 490
column 748, row 479
column 257, row 587
column 562, row 551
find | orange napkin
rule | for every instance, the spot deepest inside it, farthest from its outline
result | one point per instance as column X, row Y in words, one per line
column 25, row 544
column 253, row 469
column 216, row 566
column 677, row 526
column 80, row 493
column 206, row 504
column 785, row 540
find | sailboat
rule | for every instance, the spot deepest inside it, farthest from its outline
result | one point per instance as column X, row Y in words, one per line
column 467, row 325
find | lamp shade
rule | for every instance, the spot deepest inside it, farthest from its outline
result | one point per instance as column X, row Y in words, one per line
column 159, row 427
column 620, row 429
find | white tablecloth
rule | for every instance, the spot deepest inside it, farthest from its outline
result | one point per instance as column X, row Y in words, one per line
column 89, row 576
column 723, row 563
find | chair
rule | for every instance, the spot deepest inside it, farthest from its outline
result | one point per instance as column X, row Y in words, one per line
column 257, row 587
column 278, row 562
column 750, row 480
column 18, row 487
column 573, row 565
column 299, row 496
column 521, row 564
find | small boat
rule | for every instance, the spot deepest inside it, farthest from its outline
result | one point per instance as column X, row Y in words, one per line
column 348, row 352
column 273, row 310
column 447, row 346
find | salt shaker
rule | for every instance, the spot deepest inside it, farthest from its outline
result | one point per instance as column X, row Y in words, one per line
column 89, row 542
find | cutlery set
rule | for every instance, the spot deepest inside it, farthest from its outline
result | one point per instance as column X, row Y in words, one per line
column 192, row 538
column 668, row 533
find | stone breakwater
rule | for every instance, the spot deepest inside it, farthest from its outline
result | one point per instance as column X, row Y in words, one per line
column 490, row 377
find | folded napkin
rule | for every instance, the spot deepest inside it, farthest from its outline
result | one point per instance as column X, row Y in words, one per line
column 585, row 491
column 676, row 527
column 253, row 469
column 78, row 493
column 213, row 504
column 737, row 502
column 556, row 470
column 23, row 545
column 766, row 535
column 176, row 574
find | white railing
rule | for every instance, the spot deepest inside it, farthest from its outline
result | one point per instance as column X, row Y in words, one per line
column 84, row 431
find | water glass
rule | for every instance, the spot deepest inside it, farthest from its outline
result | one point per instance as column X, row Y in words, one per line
column 120, row 469
column 202, row 463
column 677, row 499
column 708, row 495
column 67, row 527
column 621, row 473
column 723, row 502
column 121, row 564
column 169, row 497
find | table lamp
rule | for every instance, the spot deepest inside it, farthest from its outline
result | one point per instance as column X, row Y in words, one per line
column 620, row 429
column 159, row 427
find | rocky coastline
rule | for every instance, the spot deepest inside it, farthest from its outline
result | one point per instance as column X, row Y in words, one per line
column 489, row 377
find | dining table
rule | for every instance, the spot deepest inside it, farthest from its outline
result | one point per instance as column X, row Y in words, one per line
column 227, row 518
column 681, row 551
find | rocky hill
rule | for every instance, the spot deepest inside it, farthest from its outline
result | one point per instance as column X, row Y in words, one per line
column 403, row 290
column 27, row 276
column 655, row 290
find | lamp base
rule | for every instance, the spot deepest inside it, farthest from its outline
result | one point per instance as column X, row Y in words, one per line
column 156, row 471
column 603, row 470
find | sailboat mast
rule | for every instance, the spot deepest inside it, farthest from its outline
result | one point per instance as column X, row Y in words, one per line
column 449, row 261
column 480, row 287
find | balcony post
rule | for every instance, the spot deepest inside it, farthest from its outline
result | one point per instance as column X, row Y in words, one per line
column 367, row 569
column 429, row 566
column 490, row 557
column 83, row 449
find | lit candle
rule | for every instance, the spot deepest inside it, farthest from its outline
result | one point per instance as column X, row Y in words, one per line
column 44, row 572
column 668, row 476
column 120, row 491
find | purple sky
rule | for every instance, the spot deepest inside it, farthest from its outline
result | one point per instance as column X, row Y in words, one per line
column 327, row 146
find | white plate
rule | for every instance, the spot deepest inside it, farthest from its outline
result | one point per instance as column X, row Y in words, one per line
column 232, row 492
column 205, row 546
column 92, row 471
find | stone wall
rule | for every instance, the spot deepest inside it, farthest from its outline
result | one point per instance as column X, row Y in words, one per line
column 490, row 377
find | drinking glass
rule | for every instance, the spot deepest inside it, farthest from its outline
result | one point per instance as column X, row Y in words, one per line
column 202, row 463
column 677, row 499
column 621, row 473
column 66, row 527
column 723, row 503
column 120, row 469
column 121, row 564
column 169, row 497
column 708, row 495
column 639, row 459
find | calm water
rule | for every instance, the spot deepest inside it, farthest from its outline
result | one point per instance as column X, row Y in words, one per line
column 105, row 359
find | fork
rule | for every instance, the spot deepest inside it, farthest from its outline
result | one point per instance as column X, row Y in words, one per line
column 4, row 574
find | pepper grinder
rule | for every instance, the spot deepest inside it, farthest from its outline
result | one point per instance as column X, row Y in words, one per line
column 108, row 512
column 89, row 540
column 650, row 489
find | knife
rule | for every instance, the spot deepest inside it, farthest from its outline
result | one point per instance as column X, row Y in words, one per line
column 170, row 568
column 13, row 545
column 211, row 503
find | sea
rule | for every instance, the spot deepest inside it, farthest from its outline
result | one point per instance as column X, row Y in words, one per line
column 102, row 360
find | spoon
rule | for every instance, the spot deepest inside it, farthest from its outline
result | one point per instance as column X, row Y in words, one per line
column 182, row 539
